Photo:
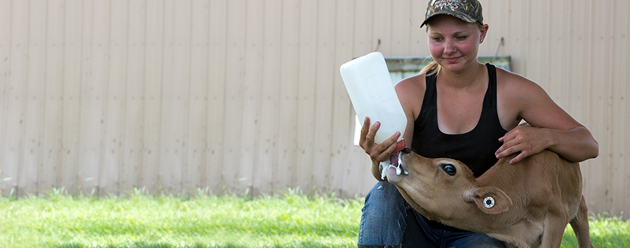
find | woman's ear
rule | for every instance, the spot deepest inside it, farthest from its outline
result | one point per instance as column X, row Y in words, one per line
column 483, row 29
column 492, row 200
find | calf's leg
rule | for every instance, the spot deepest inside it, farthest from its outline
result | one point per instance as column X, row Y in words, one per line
column 554, row 226
column 580, row 226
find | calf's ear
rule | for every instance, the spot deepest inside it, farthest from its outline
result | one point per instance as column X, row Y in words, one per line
column 492, row 200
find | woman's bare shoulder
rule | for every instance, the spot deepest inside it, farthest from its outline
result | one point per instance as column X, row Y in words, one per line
column 411, row 93
column 524, row 99
column 513, row 85
column 413, row 83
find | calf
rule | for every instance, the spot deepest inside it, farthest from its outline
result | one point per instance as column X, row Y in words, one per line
column 524, row 204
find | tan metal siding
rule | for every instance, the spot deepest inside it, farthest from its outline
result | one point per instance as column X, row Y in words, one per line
column 246, row 95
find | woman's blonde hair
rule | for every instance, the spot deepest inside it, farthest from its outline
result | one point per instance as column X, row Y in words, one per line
column 431, row 69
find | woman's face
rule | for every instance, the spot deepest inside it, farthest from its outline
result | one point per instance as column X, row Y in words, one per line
column 453, row 43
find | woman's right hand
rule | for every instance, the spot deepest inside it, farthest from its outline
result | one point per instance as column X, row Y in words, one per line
column 378, row 152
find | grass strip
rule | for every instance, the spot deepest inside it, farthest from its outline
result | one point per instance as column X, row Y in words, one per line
column 137, row 219
column 289, row 219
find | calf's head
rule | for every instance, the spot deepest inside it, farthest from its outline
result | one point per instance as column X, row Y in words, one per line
column 443, row 188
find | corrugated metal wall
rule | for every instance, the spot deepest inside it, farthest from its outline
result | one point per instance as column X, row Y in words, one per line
column 235, row 95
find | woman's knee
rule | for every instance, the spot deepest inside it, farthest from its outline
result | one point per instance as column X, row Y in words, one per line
column 384, row 190
column 383, row 218
column 383, row 200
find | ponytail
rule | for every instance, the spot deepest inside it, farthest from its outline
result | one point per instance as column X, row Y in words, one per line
column 431, row 69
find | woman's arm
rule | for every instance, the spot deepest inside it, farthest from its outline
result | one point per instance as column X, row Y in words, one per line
column 552, row 127
column 575, row 144
column 378, row 152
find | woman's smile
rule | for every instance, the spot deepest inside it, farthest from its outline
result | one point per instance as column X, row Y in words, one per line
column 452, row 60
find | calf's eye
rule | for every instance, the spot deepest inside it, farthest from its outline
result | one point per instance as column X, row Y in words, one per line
column 449, row 169
column 488, row 202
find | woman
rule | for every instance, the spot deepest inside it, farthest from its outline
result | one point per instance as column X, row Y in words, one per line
column 461, row 109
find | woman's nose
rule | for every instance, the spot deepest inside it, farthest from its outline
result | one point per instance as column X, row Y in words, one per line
column 449, row 46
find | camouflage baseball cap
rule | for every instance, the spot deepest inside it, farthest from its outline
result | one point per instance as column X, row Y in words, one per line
column 466, row 10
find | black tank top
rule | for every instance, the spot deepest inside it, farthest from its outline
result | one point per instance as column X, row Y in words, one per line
column 475, row 148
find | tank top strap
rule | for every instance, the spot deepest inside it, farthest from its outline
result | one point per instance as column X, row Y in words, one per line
column 490, row 99
column 430, row 94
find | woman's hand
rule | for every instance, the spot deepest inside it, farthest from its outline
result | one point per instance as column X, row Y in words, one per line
column 525, row 140
column 378, row 152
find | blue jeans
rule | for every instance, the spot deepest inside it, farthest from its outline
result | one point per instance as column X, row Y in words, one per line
column 389, row 221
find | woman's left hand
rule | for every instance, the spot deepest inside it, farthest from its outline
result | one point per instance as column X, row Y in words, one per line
column 524, row 140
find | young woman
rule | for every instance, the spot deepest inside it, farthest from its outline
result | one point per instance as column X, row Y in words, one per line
column 461, row 109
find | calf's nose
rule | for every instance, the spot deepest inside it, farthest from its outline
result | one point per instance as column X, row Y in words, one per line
column 406, row 151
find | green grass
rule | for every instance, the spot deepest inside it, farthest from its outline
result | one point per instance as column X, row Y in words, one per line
column 289, row 219
column 605, row 231
column 137, row 219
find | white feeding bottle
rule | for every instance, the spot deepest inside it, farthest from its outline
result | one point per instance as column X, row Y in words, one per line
column 372, row 94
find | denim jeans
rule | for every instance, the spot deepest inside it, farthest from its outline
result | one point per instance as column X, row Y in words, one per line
column 389, row 221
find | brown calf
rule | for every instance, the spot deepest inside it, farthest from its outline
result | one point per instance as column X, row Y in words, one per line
column 524, row 204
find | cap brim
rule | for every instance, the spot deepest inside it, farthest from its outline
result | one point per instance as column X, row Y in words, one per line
column 450, row 13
